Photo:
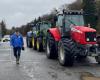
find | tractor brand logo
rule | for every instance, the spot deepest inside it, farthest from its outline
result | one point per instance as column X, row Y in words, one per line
column 75, row 30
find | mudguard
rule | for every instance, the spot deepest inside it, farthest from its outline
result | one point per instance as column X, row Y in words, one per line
column 55, row 33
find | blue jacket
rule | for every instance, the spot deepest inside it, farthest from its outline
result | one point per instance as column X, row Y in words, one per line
column 16, row 41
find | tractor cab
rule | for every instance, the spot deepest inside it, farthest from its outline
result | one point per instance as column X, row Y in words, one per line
column 42, row 28
column 71, row 24
column 34, row 29
column 74, row 19
column 69, row 19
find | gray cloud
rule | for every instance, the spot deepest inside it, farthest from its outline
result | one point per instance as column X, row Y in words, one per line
column 18, row 12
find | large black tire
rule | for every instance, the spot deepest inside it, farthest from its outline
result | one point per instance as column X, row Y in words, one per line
column 27, row 42
column 66, row 52
column 51, row 47
column 30, row 44
column 39, row 44
column 34, row 43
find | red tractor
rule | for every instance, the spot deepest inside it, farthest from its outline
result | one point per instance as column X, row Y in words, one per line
column 70, row 40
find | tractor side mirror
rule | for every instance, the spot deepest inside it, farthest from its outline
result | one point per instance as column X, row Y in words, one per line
column 96, row 18
column 55, row 18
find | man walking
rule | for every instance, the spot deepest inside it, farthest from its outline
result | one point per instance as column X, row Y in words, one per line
column 17, row 43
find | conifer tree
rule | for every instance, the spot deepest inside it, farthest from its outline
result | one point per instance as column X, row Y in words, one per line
column 89, row 7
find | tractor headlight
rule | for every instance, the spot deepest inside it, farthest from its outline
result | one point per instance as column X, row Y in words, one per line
column 95, row 39
column 88, row 39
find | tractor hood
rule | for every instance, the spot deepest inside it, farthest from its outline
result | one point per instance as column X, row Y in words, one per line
column 84, row 29
column 83, row 35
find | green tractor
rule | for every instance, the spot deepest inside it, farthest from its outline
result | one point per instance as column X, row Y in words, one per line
column 40, row 35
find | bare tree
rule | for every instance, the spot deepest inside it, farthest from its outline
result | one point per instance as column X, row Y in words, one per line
column 3, row 28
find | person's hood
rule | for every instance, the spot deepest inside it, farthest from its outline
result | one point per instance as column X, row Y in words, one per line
column 15, row 34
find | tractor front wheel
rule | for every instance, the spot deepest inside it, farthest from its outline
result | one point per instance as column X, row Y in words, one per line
column 39, row 45
column 66, row 52
column 34, row 43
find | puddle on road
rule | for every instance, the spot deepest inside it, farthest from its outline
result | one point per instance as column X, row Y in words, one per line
column 5, row 46
column 88, row 76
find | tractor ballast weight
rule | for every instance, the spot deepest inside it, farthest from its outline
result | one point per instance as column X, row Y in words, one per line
column 71, row 40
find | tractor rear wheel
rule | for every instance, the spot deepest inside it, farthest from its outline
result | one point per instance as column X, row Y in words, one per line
column 51, row 47
column 66, row 52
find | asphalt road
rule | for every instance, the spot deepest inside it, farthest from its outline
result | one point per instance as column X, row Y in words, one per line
column 35, row 66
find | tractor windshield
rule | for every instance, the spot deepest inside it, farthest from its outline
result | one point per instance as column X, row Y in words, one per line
column 34, row 29
column 45, row 26
column 74, row 19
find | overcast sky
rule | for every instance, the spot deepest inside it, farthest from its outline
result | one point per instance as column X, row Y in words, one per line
column 19, row 12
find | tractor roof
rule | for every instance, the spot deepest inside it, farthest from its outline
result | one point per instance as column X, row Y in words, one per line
column 45, row 22
column 71, row 12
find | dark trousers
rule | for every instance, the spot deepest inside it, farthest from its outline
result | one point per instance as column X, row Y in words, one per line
column 17, row 52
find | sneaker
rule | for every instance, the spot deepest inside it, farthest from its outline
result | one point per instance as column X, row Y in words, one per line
column 17, row 62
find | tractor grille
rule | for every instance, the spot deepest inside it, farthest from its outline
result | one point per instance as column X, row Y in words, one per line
column 90, row 36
